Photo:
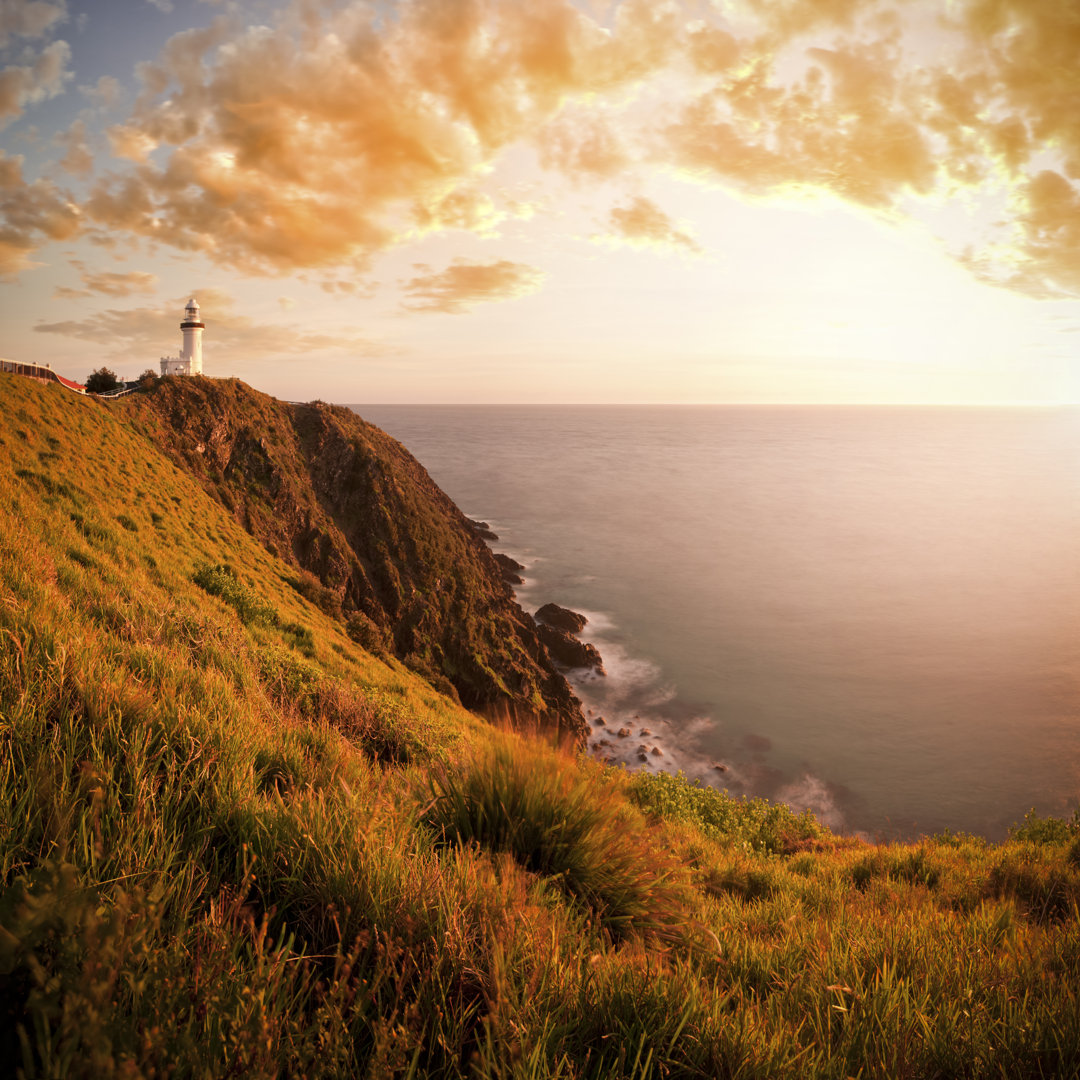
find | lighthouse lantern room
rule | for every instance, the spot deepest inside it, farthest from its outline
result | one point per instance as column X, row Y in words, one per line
column 190, row 360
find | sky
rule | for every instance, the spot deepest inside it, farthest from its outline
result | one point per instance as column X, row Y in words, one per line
column 458, row 201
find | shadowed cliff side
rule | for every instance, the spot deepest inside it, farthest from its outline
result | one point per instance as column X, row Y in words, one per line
column 375, row 541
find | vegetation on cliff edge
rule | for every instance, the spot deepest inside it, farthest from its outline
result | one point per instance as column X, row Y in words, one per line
column 234, row 842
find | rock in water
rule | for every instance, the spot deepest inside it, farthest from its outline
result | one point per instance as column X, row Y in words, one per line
column 562, row 618
column 567, row 650
column 509, row 568
column 483, row 529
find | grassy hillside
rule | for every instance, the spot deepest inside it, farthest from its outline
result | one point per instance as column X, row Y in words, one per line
column 234, row 843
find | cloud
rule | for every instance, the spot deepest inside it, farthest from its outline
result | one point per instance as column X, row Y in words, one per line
column 30, row 215
column 463, row 284
column 78, row 159
column 106, row 92
column 583, row 145
column 29, row 18
column 334, row 132
column 464, row 208
column 641, row 223
column 144, row 334
column 327, row 137
column 109, row 283
column 27, row 84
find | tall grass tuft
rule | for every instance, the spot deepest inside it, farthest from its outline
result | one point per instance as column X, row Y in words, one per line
column 558, row 823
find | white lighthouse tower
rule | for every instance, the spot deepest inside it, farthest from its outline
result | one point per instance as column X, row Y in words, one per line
column 192, row 327
column 190, row 359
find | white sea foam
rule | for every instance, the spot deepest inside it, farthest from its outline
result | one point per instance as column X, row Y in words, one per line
column 812, row 793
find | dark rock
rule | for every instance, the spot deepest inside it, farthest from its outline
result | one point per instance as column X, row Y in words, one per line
column 623, row 732
column 483, row 529
column 657, row 752
column 509, row 569
column 720, row 768
column 601, row 722
column 562, row 618
column 644, row 731
column 567, row 650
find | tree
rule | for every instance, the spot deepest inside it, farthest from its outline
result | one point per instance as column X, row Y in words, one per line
column 148, row 379
column 102, row 381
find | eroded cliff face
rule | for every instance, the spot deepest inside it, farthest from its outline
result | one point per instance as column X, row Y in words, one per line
column 340, row 499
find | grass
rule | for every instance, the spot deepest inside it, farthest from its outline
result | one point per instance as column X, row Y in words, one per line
column 249, row 847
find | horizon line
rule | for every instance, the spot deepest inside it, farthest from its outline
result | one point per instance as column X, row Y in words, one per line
column 724, row 404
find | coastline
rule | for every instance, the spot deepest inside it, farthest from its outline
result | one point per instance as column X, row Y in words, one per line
column 637, row 722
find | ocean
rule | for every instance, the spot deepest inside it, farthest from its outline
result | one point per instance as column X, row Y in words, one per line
column 870, row 612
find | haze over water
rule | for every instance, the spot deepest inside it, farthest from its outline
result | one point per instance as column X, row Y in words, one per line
column 873, row 612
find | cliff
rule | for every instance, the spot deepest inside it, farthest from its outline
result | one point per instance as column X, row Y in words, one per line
column 376, row 543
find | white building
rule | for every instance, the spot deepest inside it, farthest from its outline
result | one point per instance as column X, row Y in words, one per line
column 189, row 361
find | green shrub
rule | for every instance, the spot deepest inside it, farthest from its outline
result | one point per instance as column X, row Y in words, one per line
column 756, row 824
column 368, row 634
column 221, row 581
column 1046, row 830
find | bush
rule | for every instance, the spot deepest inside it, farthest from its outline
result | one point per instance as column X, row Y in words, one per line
column 755, row 823
column 102, row 381
column 311, row 588
column 1046, row 830
column 368, row 634
column 554, row 822
column 221, row 581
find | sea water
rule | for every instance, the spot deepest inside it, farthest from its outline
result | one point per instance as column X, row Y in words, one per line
column 873, row 613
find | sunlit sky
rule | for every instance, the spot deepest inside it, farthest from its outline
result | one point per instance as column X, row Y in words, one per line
column 550, row 201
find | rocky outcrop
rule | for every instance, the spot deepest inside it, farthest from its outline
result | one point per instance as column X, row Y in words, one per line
column 562, row 618
column 510, row 568
column 558, row 628
column 568, row 650
column 339, row 498
column 483, row 529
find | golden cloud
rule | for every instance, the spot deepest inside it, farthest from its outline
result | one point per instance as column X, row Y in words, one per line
column 27, row 84
column 641, row 223
column 463, row 284
column 144, row 334
column 108, row 283
column 320, row 139
column 30, row 214
column 337, row 131
column 583, row 145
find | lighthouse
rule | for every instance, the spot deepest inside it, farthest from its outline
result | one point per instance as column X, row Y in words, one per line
column 192, row 326
column 190, row 360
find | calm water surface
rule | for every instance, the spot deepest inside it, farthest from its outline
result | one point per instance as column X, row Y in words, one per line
column 872, row 612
